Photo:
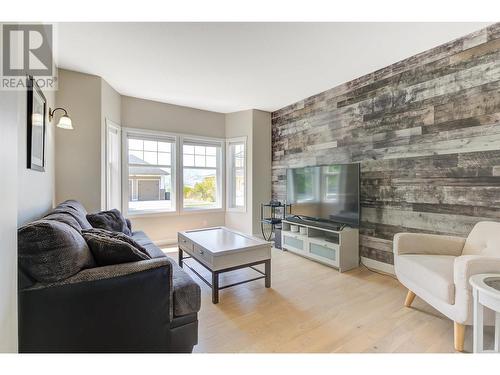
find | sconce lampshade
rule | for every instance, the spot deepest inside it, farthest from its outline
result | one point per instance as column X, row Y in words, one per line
column 65, row 123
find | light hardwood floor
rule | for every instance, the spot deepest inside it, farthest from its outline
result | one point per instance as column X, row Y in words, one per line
column 314, row 308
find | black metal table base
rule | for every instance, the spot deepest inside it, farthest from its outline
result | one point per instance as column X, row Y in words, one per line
column 214, row 285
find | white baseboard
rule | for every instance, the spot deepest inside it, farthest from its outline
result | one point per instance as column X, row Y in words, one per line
column 378, row 266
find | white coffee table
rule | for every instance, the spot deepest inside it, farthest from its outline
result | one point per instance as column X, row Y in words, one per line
column 220, row 250
column 486, row 293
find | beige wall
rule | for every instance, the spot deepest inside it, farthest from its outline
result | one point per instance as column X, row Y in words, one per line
column 35, row 189
column 261, row 172
column 163, row 229
column 256, row 126
column 89, row 101
column 147, row 114
column 111, row 102
column 151, row 115
column 78, row 161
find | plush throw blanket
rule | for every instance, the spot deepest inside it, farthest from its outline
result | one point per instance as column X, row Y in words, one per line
column 111, row 220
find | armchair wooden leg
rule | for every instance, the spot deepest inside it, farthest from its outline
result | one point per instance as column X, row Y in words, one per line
column 459, row 333
column 409, row 298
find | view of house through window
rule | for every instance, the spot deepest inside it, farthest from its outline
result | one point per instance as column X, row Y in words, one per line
column 150, row 175
column 201, row 176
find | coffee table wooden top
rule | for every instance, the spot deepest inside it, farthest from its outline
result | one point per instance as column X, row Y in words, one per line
column 222, row 240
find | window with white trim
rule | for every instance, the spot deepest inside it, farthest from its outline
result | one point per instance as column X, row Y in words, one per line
column 113, row 166
column 201, row 174
column 150, row 173
column 236, row 174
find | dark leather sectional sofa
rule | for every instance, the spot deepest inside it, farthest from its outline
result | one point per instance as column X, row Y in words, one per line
column 145, row 306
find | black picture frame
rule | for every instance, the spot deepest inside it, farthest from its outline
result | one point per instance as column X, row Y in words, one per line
column 36, row 126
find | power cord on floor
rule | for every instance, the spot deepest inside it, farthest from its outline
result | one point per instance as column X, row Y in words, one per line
column 377, row 271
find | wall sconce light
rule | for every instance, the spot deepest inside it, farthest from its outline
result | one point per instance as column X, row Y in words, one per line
column 64, row 122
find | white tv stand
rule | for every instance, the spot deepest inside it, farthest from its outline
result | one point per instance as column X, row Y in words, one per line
column 335, row 248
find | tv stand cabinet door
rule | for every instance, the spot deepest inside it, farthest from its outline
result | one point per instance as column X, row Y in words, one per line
column 324, row 251
column 294, row 242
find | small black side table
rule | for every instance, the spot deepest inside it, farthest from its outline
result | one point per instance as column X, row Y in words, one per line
column 271, row 215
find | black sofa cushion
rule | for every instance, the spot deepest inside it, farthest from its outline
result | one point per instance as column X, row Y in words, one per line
column 187, row 293
column 111, row 220
column 142, row 239
column 113, row 247
column 49, row 250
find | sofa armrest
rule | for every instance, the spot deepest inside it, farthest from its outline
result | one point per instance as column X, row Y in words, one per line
column 429, row 244
column 468, row 265
column 119, row 308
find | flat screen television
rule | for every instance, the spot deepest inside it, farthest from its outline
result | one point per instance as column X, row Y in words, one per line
column 326, row 192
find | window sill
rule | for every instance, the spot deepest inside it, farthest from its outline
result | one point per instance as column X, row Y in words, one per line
column 145, row 214
column 138, row 214
column 190, row 211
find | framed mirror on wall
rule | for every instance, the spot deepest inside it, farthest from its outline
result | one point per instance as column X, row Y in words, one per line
column 36, row 123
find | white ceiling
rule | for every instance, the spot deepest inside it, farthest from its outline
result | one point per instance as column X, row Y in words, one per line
column 227, row 67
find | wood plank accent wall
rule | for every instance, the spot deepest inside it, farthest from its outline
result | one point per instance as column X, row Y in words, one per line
column 426, row 131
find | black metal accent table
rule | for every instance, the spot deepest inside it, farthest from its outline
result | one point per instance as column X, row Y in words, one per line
column 271, row 215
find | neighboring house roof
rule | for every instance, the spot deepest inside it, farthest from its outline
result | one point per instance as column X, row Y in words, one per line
column 144, row 170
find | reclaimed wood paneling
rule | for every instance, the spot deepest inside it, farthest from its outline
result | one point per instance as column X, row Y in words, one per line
column 426, row 131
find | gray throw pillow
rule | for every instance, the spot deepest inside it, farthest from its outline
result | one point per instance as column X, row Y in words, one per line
column 65, row 218
column 111, row 220
column 75, row 209
column 49, row 250
column 113, row 247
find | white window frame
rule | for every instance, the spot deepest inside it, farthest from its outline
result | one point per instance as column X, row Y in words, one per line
column 158, row 136
column 177, row 172
column 230, row 176
column 111, row 127
column 202, row 141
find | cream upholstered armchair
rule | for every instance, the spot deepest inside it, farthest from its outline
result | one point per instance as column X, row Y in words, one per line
column 437, row 269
